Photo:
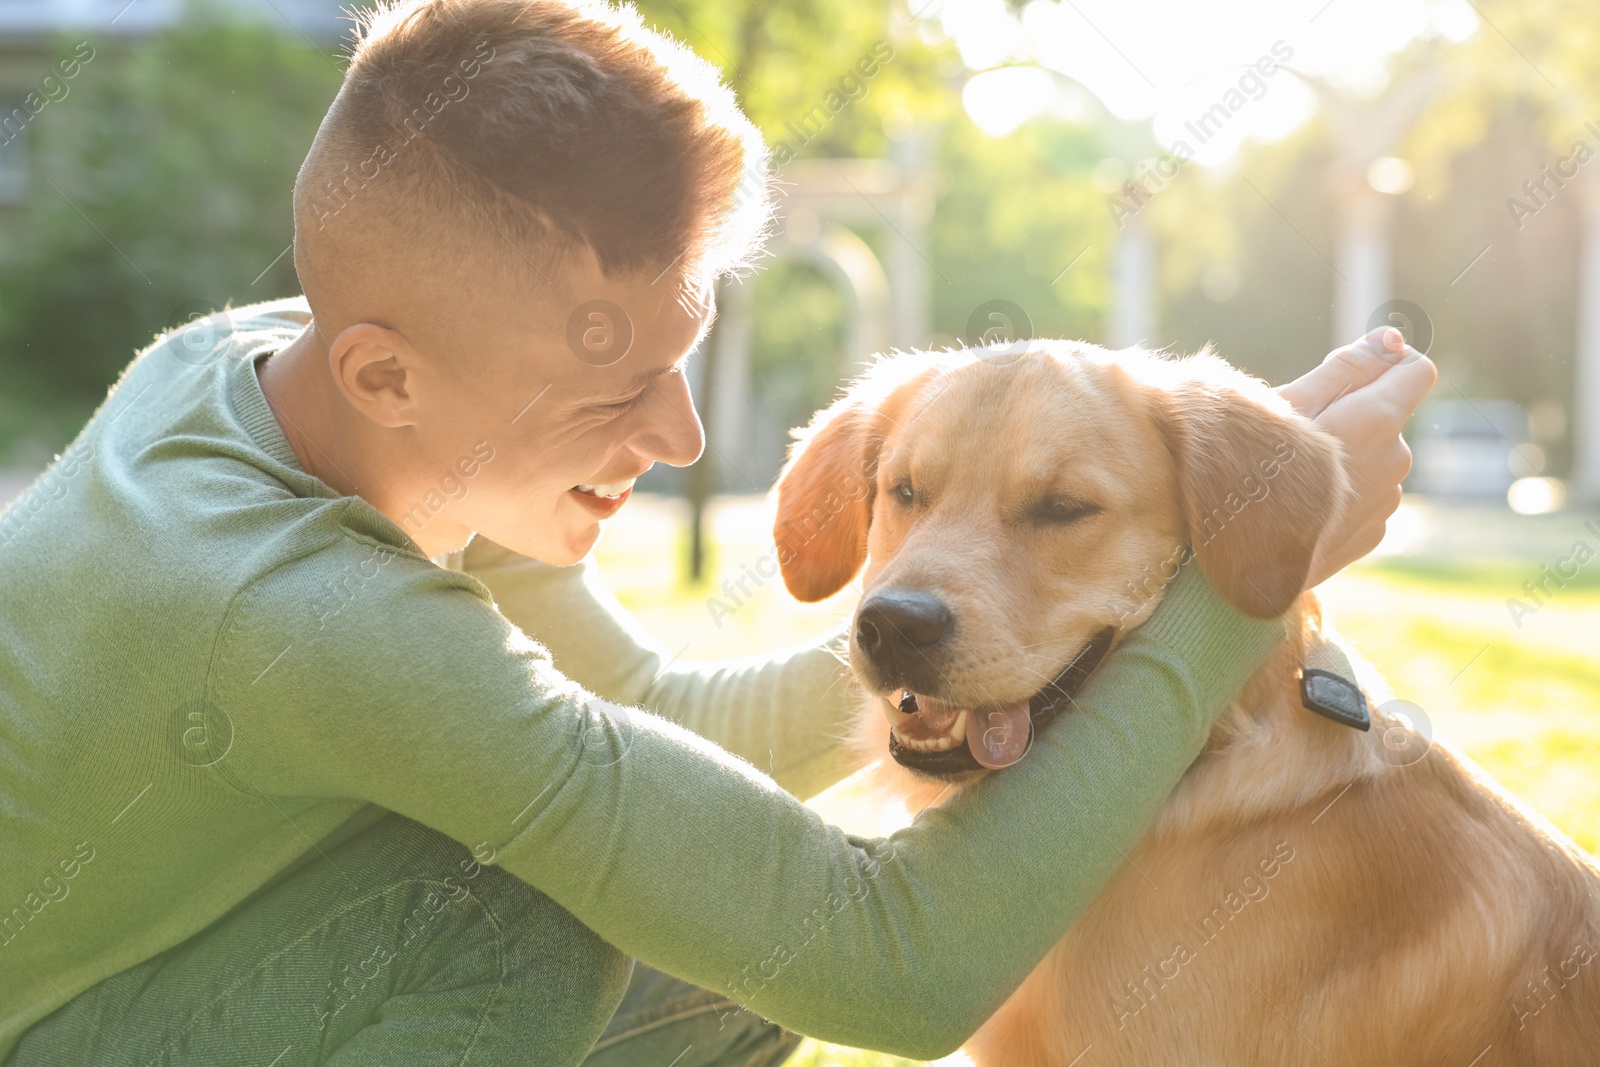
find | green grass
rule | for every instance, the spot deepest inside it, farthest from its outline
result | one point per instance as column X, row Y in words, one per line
column 1523, row 701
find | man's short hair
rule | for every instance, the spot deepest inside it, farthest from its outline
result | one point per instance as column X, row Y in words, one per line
column 549, row 125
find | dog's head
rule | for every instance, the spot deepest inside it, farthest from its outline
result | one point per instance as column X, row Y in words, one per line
column 1015, row 512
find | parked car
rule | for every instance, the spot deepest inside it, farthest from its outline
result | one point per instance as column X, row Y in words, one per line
column 1471, row 448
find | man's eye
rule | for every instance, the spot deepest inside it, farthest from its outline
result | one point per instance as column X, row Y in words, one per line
column 620, row 406
column 904, row 493
column 1063, row 511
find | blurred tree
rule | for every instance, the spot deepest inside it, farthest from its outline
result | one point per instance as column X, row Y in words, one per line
column 782, row 58
column 162, row 189
column 799, row 321
column 1013, row 215
column 1245, row 254
column 1525, row 94
column 1245, row 258
column 181, row 152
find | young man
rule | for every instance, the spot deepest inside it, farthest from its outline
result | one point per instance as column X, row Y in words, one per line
column 288, row 778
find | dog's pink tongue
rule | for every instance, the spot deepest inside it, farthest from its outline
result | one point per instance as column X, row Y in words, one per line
column 936, row 715
column 998, row 737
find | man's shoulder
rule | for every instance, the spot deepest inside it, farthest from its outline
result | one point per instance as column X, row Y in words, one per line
column 347, row 586
column 290, row 312
column 359, row 619
column 199, row 341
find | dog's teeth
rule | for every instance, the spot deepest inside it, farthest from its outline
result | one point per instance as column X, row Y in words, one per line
column 955, row 737
column 925, row 744
column 922, row 744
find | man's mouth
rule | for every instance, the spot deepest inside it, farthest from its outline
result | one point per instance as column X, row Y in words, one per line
column 611, row 491
column 602, row 500
column 939, row 738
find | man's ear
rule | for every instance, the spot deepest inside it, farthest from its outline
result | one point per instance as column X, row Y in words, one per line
column 373, row 367
column 825, row 500
column 1259, row 484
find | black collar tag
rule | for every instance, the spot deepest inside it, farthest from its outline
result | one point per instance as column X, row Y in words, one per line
column 1333, row 697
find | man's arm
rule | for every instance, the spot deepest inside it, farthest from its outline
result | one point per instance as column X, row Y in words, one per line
column 785, row 712
column 420, row 697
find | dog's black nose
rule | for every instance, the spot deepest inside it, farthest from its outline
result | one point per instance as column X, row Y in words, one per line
column 897, row 628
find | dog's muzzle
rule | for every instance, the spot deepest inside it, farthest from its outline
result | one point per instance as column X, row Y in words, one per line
column 1043, row 706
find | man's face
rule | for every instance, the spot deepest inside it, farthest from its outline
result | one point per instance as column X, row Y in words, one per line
column 590, row 395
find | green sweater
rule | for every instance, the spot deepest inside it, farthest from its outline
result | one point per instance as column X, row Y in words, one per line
column 213, row 667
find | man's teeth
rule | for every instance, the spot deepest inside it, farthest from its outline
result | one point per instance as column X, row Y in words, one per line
column 611, row 491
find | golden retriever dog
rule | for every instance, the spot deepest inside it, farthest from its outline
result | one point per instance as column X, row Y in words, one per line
column 1310, row 893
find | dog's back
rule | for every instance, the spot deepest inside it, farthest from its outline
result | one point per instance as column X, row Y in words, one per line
column 1312, row 895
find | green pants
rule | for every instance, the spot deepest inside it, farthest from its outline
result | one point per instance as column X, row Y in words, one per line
column 398, row 949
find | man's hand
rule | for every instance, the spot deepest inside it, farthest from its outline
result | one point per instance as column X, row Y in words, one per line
column 1362, row 394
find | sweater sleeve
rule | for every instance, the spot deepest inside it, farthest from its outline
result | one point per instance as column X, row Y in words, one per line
column 417, row 695
column 786, row 712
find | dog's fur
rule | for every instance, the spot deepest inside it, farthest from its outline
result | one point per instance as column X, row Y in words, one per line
column 1309, row 894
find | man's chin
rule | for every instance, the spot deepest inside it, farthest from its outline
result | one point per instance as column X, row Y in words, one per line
column 580, row 543
column 561, row 546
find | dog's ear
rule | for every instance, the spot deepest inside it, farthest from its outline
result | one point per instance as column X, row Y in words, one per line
column 826, row 490
column 825, row 500
column 1259, row 483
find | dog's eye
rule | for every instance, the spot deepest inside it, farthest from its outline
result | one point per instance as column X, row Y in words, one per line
column 1060, row 511
column 904, row 493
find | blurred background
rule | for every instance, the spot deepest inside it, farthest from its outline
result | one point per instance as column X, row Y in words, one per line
column 1271, row 178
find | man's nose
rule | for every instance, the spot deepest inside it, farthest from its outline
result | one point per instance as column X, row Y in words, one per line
column 899, row 630
column 672, row 434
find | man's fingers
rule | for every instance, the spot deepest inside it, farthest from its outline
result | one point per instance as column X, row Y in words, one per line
column 1362, row 395
column 1384, row 405
column 1410, row 381
column 1346, row 369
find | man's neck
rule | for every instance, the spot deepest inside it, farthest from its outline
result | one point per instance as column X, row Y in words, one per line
column 295, row 382
column 304, row 399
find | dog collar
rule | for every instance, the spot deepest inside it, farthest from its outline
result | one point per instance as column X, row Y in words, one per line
column 1328, row 686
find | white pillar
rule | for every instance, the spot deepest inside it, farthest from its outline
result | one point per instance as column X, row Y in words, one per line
column 910, row 273
column 1586, row 370
column 1362, row 284
column 1132, row 317
column 730, row 403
